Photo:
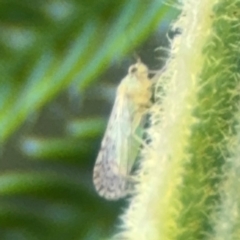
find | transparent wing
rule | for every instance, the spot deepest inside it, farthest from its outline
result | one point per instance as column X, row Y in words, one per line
column 111, row 168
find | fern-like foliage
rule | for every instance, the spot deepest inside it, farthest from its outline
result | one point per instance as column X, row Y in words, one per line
column 52, row 54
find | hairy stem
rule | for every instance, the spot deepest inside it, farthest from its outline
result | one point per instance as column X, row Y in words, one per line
column 189, row 177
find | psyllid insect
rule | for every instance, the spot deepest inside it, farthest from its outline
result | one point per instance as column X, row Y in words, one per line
column 120, row 144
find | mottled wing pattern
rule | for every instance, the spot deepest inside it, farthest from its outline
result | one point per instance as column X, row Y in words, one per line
column 110, row 173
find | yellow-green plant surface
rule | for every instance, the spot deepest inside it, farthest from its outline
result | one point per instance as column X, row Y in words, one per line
column 188, row 182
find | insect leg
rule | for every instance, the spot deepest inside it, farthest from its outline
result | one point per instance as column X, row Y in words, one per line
column 138, row 117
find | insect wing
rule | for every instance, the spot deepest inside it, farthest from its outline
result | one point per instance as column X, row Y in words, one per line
column 110, row 171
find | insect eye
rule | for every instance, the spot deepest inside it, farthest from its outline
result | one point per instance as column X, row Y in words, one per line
column 133, row 70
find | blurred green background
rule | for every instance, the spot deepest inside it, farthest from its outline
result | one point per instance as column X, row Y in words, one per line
column 60, row 64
